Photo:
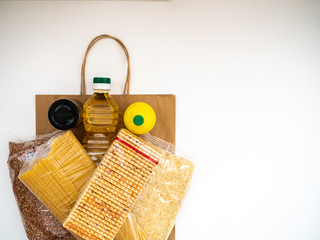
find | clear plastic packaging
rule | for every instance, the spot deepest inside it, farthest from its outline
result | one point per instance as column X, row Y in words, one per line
column 157, row 207
column 130, row 230
column 46, row 180
column 57, row 172
column 38, row 221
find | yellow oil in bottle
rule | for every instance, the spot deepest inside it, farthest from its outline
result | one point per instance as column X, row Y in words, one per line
column 100, row 119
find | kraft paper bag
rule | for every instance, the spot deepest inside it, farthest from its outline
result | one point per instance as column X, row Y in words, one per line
column 163, row 105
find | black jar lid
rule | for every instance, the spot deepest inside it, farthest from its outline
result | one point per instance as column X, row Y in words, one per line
column 63, row 114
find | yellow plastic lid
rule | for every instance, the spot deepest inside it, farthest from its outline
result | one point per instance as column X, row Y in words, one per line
column 139, row 118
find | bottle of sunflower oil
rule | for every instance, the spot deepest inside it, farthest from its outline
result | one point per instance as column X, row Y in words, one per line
column 100, row 119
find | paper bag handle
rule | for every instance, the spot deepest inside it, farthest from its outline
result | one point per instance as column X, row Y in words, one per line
column 83, row 67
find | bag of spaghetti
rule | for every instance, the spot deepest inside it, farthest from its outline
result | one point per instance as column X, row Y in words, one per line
column 57, row 172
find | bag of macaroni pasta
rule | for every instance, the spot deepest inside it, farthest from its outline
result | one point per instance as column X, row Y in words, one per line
column 157, row 207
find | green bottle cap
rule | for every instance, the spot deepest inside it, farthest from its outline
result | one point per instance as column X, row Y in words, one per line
column 101, row 80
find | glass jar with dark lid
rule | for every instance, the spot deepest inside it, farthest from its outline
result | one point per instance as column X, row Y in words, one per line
column 65, row 114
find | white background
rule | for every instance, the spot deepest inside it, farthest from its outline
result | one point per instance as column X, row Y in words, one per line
column 246, row 74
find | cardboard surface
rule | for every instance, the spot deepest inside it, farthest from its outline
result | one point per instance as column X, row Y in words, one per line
column 163, row 105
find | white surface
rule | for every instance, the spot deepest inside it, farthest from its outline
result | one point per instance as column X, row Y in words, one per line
column 246, row 75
